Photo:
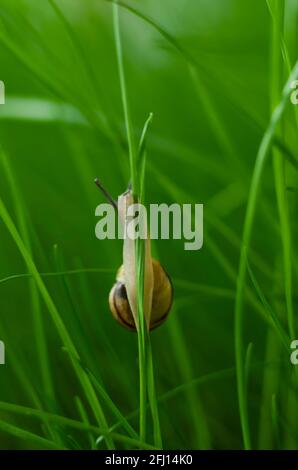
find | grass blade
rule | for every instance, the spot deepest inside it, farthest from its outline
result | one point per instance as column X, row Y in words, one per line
column 61, row 420
column 278, row 327
column 20, row 433
column 278, row 160
column 83, row 378
column 261, row 160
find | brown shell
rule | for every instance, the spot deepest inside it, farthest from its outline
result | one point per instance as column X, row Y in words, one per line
column 161, row 302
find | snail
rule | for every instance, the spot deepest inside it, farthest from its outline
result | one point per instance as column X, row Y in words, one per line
column 158, row 288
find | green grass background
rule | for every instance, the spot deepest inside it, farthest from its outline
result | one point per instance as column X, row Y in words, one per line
column 212, row 73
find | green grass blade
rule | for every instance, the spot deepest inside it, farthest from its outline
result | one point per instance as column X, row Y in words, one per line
column 201, row 91
column 141, row 159
column 20, row 433
column 41, row 344
column 68, row 422
column 178, row 195
column 153, row 402
column 112, row 407
column 199, row 381
column 85, row 420
column 83, row 378
column 83, row 62
column 275, row 320
column 248, row 364
column 39, row 333
column 203, row 289
column 287, row 152
column 60, row 90
column 59, row 273
column 261, row 160
column 201, row 433
column 139, row 245
column 127, row 118
column 275, row 422
column 278, row 160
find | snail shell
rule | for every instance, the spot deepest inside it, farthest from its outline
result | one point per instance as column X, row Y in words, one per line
column 162, row 298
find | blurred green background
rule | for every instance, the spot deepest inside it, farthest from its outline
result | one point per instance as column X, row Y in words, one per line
column 206, row 71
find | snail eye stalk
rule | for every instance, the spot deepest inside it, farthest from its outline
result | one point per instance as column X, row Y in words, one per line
column 106, row 194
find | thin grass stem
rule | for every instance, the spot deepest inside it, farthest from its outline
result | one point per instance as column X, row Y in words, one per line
column 61, row 329
column 261, row 160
